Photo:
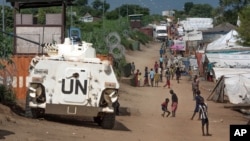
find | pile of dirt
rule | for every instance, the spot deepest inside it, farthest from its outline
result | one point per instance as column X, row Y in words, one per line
column 6, row 115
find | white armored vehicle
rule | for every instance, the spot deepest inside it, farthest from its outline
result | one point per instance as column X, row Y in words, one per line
column 72, row 81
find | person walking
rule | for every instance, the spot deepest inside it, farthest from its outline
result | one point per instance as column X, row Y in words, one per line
column 151, row 76
column 161, row 60
column 198, row 99
column 146, row 82
column 166, row 61
column 132, row 68
column 167, row 75
column 157, row 78
column 178, row 74
column 195, row 86
column 156, row 66
column 160, row 72
column 203, row 108
column 174, row 104
column 164, row 108
column 139, row 79
column 172, row 71
column 136, row 77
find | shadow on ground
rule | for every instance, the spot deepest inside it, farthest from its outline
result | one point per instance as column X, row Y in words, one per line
column 4, row 133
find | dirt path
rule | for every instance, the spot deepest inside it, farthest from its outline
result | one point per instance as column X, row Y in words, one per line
column 142, row 120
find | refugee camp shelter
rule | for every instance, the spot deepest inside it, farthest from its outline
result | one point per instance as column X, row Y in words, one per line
column 228, row 42
column 225, row 52
column 230, row 63
column 197, row 24
column 233, row 83
column 216, row 32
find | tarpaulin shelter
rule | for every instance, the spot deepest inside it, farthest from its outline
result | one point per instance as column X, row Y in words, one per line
column 233, row 83
column 226, row 42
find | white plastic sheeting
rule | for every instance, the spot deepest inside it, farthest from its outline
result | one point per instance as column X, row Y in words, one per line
column 228, row 41
column 226, row 60
column 229, row 72
column 197, row 23
column 238, row 89
column 193, row 36
column 237, row 84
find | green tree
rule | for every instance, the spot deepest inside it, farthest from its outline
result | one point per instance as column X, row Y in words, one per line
column 244, row 28
column 81, row 2
column 42, row 13
column 201, row 10
column 188, row 6
column 8, row 18
column 129, row 9
column 112, row 15
column 234, row 4
column 99, row 7
column 229, row 9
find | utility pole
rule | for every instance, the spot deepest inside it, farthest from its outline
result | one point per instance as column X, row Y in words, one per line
column 71, row 19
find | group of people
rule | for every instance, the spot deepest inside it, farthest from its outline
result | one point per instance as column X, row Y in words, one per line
column 174, row 104
column 155, row 75
column 200, row 106
column 165, row 66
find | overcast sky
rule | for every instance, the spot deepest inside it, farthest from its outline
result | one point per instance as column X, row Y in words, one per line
column 157, row 6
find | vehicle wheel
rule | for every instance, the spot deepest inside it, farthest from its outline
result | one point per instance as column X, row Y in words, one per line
column 108, row 121
column 98, row 120
column 32, row 112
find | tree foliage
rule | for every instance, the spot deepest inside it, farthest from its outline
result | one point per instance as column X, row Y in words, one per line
column 234, row 4
column 201, row 10
column 244, row 28
column 100, row 7
column 81, row 2
column 188, row 6
column 229, row 9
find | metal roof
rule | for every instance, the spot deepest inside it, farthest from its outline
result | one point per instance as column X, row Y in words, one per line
column 22, row 4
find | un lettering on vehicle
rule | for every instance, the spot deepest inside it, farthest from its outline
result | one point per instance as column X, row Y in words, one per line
column 75, row 86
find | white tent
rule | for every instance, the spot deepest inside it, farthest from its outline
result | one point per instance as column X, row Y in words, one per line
column 238, row 89
column 193, row 36
column 237, row 84
column 226, row 60
column 229, row 72
column 197, row 23
column 228, row 41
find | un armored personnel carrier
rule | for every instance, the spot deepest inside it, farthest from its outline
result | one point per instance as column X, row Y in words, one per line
column 72, row 81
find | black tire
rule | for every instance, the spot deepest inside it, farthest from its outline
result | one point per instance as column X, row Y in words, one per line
column 108, row 121
column 32, row 112
column 98, row 120
column 28, row 110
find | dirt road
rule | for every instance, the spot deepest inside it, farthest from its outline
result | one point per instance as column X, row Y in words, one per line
column 140, row 118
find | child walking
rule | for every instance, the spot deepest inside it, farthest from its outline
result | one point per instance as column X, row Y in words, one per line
column 156, row 78
column 167, row 75
column 204, row 118
column 164, row 108
column 139, row 79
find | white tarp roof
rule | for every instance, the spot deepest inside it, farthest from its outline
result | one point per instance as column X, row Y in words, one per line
column 226, row 60
column 180, row 30
column 197, row 23
column 237, row 84
column 228, row 41
column 193, row 36
column 229, row 72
